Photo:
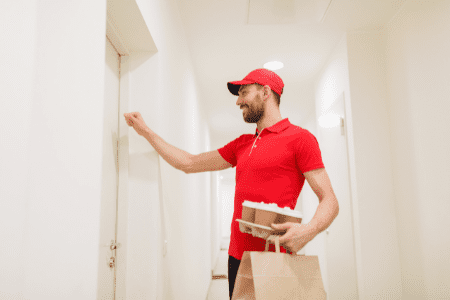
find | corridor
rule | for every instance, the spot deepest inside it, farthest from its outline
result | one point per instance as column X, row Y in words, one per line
column 91, row 209
column 218, row 289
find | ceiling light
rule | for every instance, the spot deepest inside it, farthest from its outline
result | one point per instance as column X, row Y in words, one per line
column 273, row 65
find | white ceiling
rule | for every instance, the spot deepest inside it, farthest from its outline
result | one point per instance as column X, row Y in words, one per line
column 227, row 40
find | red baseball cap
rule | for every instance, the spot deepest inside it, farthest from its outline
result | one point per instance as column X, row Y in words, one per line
column 261, row 76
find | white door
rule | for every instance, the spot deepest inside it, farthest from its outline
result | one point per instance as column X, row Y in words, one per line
column 110, row 170
column 341, row 263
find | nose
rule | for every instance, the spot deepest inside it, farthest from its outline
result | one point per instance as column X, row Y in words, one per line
column 239, row 101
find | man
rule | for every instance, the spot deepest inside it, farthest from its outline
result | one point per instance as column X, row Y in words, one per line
column 271, row 166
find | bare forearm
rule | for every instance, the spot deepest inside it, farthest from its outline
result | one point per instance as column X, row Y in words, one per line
column 177, row 158
column 326, row 212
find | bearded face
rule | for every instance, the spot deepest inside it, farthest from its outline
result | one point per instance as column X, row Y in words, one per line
column 253, row 110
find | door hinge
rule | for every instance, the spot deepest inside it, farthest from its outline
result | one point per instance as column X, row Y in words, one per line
column 112, row 260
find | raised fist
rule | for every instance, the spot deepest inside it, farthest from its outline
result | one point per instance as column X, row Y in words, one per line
column 135, row 120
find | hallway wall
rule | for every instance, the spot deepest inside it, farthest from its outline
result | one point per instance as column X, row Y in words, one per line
column 16, row 85
column 332, row 81
column 52, row 146
column 309, row 204
column 51, row 154
column 378, row 234
column 357, row 68
column 169, row 101
column 398, row 87
column 418, row 64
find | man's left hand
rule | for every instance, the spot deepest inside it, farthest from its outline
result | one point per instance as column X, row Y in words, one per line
column 296, row 237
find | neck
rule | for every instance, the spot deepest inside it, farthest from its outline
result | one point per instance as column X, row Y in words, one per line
column 269, row 119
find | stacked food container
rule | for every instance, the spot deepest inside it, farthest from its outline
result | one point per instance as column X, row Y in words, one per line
column 257, row 218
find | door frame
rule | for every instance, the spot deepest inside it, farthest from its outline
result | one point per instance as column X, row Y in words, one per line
column 128, row 33
column 351, row 164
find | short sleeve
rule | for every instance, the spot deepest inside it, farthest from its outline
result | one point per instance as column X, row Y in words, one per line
column 228, row 152
column 308, row 156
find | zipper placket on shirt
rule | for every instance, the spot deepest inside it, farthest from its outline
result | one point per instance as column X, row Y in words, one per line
column 253, row 146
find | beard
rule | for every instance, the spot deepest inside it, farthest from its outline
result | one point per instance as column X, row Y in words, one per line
column 254, row 112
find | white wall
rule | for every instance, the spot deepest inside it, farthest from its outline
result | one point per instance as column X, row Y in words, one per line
column 357, row 68
column 418, row 64
column 16, row 99
column 52, row 106
column 397, row 87
column 309, row 205
column 373, row 165
column 50, row 188
column 215, row 218
column 331, row 82
column 226, row 189
column 166, row 94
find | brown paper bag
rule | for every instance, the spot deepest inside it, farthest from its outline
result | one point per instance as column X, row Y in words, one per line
column 274, row 275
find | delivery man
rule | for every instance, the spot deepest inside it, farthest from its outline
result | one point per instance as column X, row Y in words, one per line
column 271, row 166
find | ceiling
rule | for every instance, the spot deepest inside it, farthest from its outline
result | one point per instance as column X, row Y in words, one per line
column 229, row 38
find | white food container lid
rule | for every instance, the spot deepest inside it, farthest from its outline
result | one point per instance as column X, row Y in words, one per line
column 249, row 204
column 269, row 207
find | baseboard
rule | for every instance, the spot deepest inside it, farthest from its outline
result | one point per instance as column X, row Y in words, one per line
column 216, row 277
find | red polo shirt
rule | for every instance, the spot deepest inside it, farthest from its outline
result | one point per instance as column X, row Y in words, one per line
column 269, row 168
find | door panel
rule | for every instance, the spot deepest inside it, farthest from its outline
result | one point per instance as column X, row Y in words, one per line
column 106, row 275
column 341, row 263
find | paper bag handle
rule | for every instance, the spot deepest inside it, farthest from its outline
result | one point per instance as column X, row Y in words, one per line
column 277, row 243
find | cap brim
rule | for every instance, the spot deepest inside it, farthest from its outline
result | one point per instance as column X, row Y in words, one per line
column 234, row 86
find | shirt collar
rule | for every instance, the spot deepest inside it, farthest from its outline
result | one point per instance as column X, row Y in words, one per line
column 277, row 127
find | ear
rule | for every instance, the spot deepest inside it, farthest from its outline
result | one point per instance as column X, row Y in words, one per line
column 266, row 92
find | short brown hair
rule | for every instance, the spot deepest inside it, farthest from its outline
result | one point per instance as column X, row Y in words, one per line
column 277, row 97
